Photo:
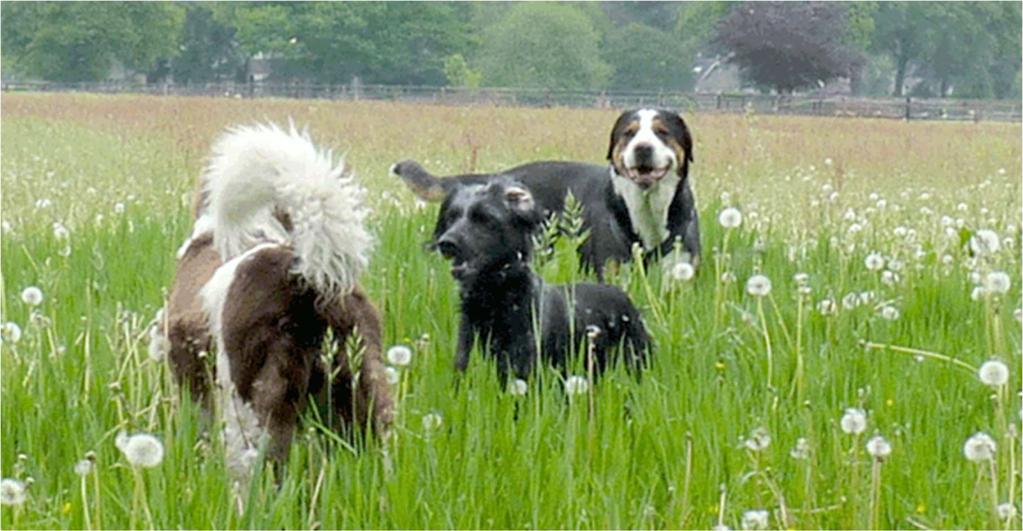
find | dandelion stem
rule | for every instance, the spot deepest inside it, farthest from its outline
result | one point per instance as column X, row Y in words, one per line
column 85, row 503
column 767, row 342
column 875, row 495
column 922, row 353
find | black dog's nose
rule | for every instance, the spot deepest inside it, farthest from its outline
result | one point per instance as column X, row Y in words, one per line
column 447, row 247
column 643, row 152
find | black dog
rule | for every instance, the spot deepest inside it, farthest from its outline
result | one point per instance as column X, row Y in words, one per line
column 643, row 197
column 485, row 230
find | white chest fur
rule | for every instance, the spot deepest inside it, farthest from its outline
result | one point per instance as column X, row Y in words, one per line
column 648, row 209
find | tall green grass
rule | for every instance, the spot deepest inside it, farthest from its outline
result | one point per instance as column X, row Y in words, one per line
column 665, row 451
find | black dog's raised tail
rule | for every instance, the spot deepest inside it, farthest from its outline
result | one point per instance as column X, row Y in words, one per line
column 424, row 184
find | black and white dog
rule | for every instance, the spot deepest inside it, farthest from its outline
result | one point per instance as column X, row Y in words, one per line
column 486, row 231
column 643, row 197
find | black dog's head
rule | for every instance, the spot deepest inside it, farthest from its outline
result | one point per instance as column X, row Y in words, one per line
column 484, row 228
column 647, row 144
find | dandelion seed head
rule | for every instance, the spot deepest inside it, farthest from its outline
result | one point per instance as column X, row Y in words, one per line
column 518, row 387
column 118, row 208
column 730, row 218
column 11, row 332
column 997, row 282
column 32, row 296
column 83, row 467
column 801, row 450
column 801, row 278
column 392, row 375
column 755, row 519
column 60, row 232
column 12, row 491
column 727, row 277
column 878, row 447
column 142, row 450
column 874, row 261
column 432, row 422
column 682, row 271
column 758, row 285
column 889, row 313
column 854, row 421
column 851, row 301
column 1006, row 511
column 978, row 293
column 759, row 439
column 993, row 373
column 576, row 385
column 827, row 307
column 399, row 355
column 985, row 241
column 979, row 447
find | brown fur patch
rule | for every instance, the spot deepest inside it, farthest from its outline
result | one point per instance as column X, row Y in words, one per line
column 273, row 330
column 186, row 325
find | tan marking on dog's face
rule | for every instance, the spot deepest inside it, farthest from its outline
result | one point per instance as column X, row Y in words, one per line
column 621, row 142
column 680, row 152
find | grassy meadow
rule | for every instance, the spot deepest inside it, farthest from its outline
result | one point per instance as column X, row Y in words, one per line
column 877, row 303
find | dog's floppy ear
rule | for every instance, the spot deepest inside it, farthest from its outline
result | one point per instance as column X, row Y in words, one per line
column 616, row 131
column 687, row 138
column 519, row 199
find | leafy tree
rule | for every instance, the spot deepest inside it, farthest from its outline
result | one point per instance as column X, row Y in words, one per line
column 458, row 73
column 80, row 41
column 647, row 58
column 786, row 45
column 208, row 50
column 545, row 46
column 903, row 30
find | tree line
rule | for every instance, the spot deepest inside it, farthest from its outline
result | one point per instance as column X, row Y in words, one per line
column 957, row 49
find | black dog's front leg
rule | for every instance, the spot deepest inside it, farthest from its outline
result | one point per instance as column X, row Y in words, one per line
column 465, row 341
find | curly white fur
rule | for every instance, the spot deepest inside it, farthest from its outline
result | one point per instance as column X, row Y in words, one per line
column 254, row 169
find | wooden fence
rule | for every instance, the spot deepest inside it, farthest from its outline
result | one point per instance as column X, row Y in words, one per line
column 806, row 104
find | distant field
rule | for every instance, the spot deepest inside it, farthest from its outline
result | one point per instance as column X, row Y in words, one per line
column 685, row 447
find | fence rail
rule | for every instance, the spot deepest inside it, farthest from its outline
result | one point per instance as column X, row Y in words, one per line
column 810, row 105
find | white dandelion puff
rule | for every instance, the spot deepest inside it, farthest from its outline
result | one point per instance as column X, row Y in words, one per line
column 727, row 277
column 683, row 271
column 801, row 279
column 12, row 492
column 890, row 313
column 32, row 296
column 801, row 450
column 83, row 467
column 576, row 385
column 60, row 232
column 755, row 519
column 979, row 447
column 854, row 421
column 855, row 228
column 730, row 218
column 827, row 307
column 392, row 375
column 851, row 301
column 889, row 278
column 1018, row 314
column 159, row 345
column 878, row 447
column 518, row 387
column 432, row 422
column 759, row 439
column 997, row 282
column 1006, row 511
column 399, row 355
column 758, row 285
column 985, row 241
column 43, row 203
column 11, row 332
column 993, row 373
column 874, row 262
column 978, row 293
column 118, row 208
column 142, row 449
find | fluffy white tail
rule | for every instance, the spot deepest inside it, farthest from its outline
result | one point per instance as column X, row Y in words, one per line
column 257, row 170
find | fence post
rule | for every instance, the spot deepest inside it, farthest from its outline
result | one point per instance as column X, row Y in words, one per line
column 908, row 102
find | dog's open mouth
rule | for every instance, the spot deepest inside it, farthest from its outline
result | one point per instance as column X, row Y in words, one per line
column 460, row 268
column 646, row 176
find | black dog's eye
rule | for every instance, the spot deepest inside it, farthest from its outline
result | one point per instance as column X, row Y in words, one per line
column 482, row 217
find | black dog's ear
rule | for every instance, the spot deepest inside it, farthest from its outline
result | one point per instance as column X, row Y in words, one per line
column 519, row 199
column 616, row 131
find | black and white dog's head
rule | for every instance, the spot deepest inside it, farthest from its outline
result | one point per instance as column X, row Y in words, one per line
column 485, row 228
column 649, row 144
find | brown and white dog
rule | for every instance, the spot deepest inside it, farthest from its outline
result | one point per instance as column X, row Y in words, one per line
column 272, row 265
